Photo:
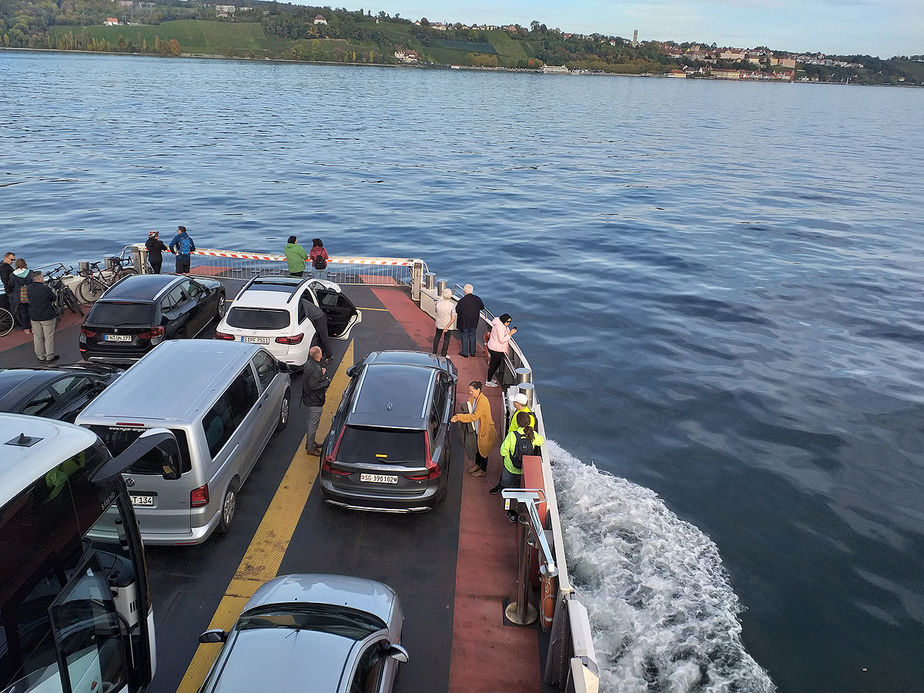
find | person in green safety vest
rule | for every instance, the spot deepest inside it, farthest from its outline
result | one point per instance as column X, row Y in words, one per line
column 519, row 404
column 515, row 446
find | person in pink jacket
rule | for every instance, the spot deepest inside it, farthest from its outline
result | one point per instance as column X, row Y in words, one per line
column 498, row 344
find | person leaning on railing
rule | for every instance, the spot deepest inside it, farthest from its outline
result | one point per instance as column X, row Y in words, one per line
column 516, row 445
column 155, row 248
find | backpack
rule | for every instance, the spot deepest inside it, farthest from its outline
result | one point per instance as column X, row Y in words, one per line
column 184, row 246
column 319, row 262
column 522, row 447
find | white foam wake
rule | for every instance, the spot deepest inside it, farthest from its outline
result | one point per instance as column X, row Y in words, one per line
column 664, row 616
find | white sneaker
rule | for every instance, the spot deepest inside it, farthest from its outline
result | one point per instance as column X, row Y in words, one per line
column 491, row 383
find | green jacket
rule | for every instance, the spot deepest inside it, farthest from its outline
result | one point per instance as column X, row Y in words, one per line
column 296, row 257
column 509, row 445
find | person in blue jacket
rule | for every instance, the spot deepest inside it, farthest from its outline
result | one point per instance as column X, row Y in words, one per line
column 182, row 245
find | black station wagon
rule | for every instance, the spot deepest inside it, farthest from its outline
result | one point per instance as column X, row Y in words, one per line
column 141, row 311
column 388, row 449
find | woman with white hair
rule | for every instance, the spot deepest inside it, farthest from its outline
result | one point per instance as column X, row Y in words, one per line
column 445, row 314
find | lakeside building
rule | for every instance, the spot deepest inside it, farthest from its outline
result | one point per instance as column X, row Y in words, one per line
column 319, row 19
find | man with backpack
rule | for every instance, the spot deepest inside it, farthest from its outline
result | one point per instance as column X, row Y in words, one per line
column 517, row 444
column 182, row 245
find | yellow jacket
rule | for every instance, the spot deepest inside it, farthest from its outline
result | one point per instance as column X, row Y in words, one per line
column 513, row 419
column 487, row 434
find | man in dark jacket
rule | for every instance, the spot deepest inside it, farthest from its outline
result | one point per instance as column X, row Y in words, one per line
column 6, row 279
column 319, row 319
column 468, row 316
column 43, row 314
column 314, row 389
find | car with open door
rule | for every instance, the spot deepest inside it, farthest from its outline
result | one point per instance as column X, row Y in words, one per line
column 275, row 313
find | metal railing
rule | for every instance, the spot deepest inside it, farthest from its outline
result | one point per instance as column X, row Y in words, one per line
column 233, row 264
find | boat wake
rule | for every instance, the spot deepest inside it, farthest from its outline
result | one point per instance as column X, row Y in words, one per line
column 663, row 614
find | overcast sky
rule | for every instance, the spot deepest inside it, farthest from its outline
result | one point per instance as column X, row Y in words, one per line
column 873, row 27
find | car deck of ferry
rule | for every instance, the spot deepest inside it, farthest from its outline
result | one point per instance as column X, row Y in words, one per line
column 454, row 568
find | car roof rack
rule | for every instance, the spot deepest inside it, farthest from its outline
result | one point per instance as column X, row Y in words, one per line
column 248, row 284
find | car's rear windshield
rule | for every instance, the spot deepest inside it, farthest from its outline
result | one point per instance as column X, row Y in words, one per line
column 117, row 313
column 258, row 318
column 118, row 438
column 361, row 445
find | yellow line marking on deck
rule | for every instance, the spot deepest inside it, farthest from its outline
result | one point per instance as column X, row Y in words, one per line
column 263, row 557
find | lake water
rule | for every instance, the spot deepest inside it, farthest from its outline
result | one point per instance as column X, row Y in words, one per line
column 718, row 286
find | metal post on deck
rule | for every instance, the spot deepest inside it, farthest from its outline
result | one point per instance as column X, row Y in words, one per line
column 417, row 270
column 532, row 535
column 140, row 258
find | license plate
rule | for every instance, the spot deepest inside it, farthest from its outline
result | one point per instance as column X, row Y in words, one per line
column 117, row 338
column 142, row 500
column 255, row 340
column 379, row 478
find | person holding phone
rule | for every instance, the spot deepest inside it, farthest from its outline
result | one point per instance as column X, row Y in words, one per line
column 498, row 345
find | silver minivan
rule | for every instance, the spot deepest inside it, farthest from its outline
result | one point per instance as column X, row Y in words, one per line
column 223, row 401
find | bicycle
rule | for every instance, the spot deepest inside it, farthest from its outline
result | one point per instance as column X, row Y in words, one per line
column 64, row 297
column 98, row 280
column 6, row 322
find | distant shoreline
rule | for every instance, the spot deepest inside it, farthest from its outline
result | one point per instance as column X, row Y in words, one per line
column 469, row 68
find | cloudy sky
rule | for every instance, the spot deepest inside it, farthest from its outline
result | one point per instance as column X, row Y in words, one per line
column 872, row 27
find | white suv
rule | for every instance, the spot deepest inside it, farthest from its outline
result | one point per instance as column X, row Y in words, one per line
column 271, row 311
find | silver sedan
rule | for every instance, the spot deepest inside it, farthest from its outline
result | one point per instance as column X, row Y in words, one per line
column 324, row 633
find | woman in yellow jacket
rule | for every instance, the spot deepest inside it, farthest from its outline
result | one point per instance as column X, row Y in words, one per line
column 522, row 441
column 484, row 426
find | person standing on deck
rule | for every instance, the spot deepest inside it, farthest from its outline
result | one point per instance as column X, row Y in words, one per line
column 296, row 257
column 314, row 389
column 445, row 313
column 6, row 278
column 498, row 344
column 43, row 315
column 468, row 317
column 319, row 258
column 519, row 404
column 515, row 446
column 156, row 250
column 182, row 245
column 19, row 299
column 480, row 413
column 319, row 319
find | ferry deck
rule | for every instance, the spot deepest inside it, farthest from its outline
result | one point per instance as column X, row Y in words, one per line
column 455, row 568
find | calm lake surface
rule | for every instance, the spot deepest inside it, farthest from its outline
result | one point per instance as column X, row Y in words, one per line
column 718, row 286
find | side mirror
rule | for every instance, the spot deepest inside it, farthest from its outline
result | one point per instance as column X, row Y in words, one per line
column 397, row 653
column 214, row 635
column 353, row 370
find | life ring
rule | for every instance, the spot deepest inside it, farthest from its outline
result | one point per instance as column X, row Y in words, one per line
column 547, row 590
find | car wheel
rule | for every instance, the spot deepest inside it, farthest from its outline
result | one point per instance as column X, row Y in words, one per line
column 222, row 306
column 284, row 411
column 228, row 506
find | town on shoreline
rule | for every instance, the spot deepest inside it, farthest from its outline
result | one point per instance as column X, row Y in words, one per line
column 277, row 31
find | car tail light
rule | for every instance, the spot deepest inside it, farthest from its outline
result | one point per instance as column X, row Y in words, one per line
column 199, row 496
column 155, row 334
column 326, row 466
column 433, row 469
column 223, row 335
column 294, row 339
column 86, row 332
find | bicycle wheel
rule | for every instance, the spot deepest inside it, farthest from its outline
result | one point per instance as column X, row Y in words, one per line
column 6, row 322
column 70, row 300
column 125, row 272
column 90, row 289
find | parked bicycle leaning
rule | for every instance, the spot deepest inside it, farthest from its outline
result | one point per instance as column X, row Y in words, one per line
column 65, row 299
column 98, row 279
